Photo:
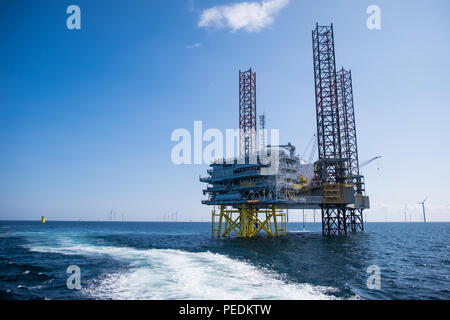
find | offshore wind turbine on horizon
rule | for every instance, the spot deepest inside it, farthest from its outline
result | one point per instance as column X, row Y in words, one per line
column 423, row 209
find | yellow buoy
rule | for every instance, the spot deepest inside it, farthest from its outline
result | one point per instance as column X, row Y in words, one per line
column 43, row 219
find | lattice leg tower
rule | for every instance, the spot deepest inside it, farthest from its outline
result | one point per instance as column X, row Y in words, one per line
column 355, row 220
column 247, row 113
column 351, row 220
column 358, row 220
column 334, row 221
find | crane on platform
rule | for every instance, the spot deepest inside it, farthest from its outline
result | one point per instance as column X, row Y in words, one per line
column 365, row 163
column 311, row 158
column 289, row 147
column 312, row 145
column 313, row 151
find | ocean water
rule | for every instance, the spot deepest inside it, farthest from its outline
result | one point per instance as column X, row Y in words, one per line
column 120, row 260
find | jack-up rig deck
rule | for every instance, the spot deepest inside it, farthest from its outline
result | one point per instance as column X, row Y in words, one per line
column 252, row 193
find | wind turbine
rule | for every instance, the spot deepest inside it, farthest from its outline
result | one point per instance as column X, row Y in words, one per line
column 423, row 208
column 303, row 219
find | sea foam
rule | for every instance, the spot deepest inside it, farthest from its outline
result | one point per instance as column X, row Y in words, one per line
column 175, row 274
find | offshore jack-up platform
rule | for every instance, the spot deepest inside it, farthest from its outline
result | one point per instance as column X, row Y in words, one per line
column 252, row 193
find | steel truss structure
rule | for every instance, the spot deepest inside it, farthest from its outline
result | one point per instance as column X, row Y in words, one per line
column 348, row 126
column 334, row 222
column 328, row 131
column 331, row 170
column 349, row 144
column 247, row 222
column 247, row 113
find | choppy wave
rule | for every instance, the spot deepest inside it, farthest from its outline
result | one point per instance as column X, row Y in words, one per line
column 176, row 274
column 137, row 261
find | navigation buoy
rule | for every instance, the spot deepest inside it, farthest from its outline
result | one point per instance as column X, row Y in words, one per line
column 43, row 219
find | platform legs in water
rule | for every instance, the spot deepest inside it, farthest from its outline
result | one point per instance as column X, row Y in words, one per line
column 247, row 222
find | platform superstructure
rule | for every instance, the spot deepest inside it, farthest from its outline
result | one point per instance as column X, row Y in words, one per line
column 250, row 193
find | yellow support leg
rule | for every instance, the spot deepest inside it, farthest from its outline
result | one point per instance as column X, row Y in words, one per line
column 233, row 225
column 219, row 229
column 274, row 215
column 245, row 222
column 213, row 222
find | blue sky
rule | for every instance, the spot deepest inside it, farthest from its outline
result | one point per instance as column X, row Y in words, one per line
column 87, row 115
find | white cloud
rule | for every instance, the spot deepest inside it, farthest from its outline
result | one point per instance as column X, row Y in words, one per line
column 194, row 46
column 249, row 16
